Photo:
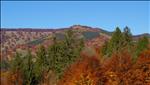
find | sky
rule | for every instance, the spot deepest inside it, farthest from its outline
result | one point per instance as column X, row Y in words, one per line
column 58, row 14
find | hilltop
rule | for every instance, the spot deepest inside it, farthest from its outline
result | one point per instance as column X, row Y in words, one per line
column 19, row 39
column 52, row 56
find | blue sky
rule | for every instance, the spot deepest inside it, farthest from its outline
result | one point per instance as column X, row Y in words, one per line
column 57, row 14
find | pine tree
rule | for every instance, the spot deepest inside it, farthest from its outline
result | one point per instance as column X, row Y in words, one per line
column 62, row 53
column 17, row 67
column 55, row 54
column 16, row 63
column 116, row 40
column 115, row 44
column 127, row 36
column 41, row 63
column 105, row 49
column 142, row 45
column 73, row 45
column 28, row 67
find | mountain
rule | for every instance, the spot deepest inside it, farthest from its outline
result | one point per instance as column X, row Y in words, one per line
column 136, row 37
column 19, row 39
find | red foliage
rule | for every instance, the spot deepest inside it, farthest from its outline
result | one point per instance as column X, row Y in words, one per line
column 116, row 70
column 140, row 72
column 87, row 67
column 144, row 57
column 120, row 62
column 9, row 78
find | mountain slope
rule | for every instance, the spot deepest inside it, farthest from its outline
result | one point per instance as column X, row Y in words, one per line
column 24, row 38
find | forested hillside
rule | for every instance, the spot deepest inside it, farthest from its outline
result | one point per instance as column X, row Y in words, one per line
column 79, row 56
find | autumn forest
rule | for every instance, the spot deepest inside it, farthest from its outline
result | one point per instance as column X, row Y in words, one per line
column 71, row 59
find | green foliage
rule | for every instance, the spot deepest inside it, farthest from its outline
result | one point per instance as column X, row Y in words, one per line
column 57, row 58
column 105, row 49
column 142, row 45
column 116, row 41
column 62, row 53
column 41, row 63
column 4, row 65
column 41, row 57
column 119, row 41
column 127, row 36
column 115, row 44
column 55, row 55
column 123, row 41
column 16, row 63
column 28, row 68
column 128, row 43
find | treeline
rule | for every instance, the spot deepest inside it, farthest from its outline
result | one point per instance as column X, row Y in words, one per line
column 63, row 63
column 33, row 69
column 123, row 41
column 121, row 61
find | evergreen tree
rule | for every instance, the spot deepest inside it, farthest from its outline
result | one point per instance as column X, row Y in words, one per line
column 17, row 67
column 28, row 67
column 73, row 45
column 41, row 63
column 62, row 53
column 16, row 63
column 115, row 44
column 119, row 41
column 127, row 36
column 142, row 45
column 105, row 49
column 116, row 40
column 55, row 57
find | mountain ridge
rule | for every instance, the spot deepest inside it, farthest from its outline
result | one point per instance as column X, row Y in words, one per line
column 75, row 27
